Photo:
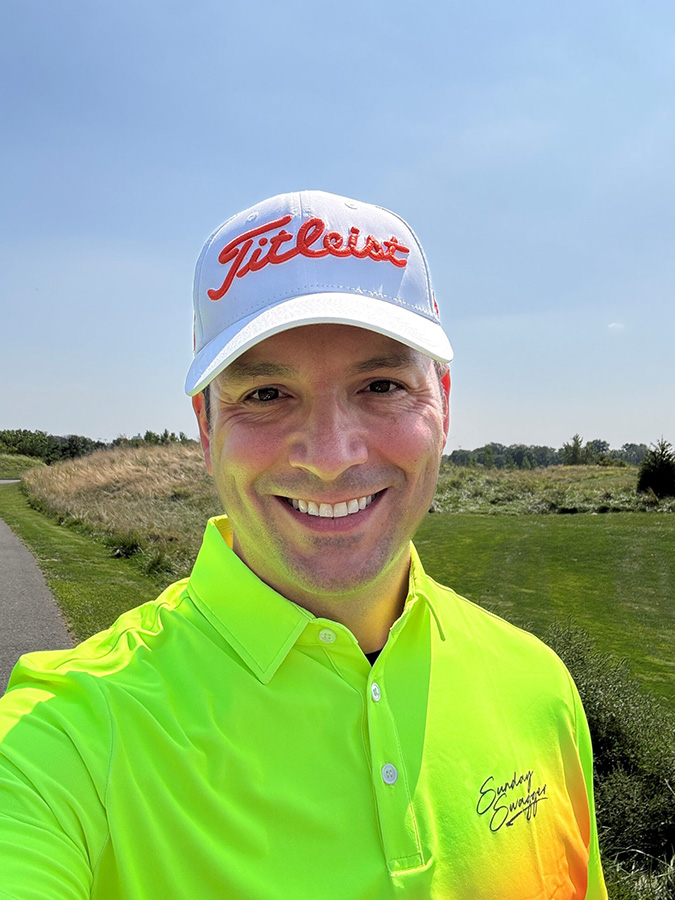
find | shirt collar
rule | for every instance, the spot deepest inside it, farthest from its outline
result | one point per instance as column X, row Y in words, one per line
column 260, row 624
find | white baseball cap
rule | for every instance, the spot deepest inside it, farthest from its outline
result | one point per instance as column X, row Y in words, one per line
column 305, row 258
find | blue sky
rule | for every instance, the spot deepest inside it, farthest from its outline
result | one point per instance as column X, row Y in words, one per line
column 529, row 144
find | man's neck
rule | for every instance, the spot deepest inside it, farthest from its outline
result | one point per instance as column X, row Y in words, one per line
column 368, row 611
column 369, row 616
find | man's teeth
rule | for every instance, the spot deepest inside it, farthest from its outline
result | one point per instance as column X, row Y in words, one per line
column 331, row 510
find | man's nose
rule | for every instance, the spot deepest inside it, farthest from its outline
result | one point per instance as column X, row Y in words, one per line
column 329, row 441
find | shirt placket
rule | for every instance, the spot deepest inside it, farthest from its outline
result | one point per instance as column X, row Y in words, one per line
column 395, row 811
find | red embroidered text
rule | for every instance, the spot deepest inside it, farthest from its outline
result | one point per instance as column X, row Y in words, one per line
column 269, row 250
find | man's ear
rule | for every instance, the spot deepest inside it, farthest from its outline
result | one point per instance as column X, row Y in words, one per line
column 204, row 431
column 445, row 386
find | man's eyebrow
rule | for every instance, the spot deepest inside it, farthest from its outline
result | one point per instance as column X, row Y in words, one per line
column 240, row 370
column 390, row 361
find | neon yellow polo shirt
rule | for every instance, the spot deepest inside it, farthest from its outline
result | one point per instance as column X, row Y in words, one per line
column 222, row 742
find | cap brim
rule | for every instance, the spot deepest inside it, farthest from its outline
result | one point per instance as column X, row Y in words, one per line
column 401, row 324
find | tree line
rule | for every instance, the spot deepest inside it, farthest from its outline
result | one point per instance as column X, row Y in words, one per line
column 527, row 456
column 52, row 448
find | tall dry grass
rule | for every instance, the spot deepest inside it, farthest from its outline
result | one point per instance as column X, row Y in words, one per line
column 150, row 501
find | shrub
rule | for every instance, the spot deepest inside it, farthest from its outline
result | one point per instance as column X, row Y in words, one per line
column 657, row 470
column 634, row 751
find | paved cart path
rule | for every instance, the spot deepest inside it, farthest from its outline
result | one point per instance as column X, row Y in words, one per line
column 29, row 616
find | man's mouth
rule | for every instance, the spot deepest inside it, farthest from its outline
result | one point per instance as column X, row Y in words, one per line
column 332, row 510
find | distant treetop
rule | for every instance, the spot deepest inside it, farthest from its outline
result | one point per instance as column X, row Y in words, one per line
column 572, row 453
column 52, row 448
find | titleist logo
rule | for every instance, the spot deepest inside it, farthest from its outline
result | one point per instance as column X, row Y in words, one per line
column 268, row 251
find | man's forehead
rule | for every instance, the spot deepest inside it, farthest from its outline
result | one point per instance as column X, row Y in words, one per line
column 361, row 350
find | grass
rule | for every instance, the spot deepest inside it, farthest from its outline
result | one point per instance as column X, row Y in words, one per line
column 613, row 575
column 92, row 588
column 633, row 883
column 13, row 465
column 557, row 489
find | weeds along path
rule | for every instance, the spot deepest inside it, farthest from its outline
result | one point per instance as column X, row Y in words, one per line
column 29, row 617
column 91, row 587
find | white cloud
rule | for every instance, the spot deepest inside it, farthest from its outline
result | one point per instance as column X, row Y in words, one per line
column 616, row 326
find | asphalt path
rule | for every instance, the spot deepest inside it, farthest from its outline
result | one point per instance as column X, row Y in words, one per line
column 29, row 616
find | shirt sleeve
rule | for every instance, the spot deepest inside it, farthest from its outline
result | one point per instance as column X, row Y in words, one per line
column 52, row 818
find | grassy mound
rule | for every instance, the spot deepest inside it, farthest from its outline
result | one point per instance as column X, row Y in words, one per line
column 13, row 465
column 150, row 502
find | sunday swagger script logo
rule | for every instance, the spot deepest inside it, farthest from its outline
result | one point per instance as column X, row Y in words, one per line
column 236, row 252
column 504, row 803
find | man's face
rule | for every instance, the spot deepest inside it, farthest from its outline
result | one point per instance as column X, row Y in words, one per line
column 331, row 418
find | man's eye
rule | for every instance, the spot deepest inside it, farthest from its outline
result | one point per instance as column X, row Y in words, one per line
column 264, row 394
column 383, row 386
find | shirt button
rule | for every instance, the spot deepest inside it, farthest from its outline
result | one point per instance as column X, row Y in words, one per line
column 375, row 691
column 327, row 636
column 389, row 773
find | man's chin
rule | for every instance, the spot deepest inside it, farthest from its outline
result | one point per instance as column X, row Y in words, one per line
column 332, row 575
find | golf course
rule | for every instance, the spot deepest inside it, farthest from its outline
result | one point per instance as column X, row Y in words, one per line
column 571, row 553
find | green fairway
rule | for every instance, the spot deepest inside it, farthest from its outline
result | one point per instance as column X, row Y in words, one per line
column 613, row 574
column 90, row 586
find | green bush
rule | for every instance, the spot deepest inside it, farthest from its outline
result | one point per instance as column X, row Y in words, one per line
column 634, row 752
column 657, row 471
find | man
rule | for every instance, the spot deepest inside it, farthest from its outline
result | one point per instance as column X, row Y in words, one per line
column 308, row 715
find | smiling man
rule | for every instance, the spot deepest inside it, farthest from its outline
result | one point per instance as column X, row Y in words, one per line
column 324, row 442
column 308, row 715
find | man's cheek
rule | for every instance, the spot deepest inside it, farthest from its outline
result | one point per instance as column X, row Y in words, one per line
column 417, row 443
